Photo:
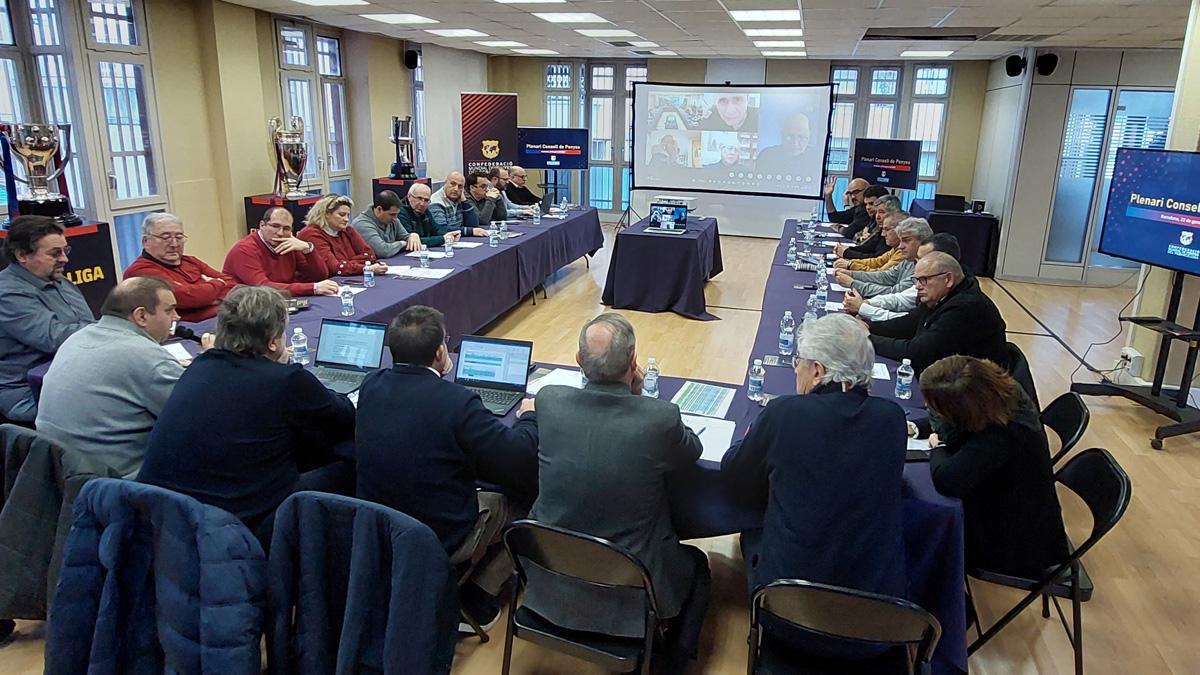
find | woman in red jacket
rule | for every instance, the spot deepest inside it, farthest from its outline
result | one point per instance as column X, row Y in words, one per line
column 339, row 248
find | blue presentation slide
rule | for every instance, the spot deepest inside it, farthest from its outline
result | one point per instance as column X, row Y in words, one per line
column 546, row 148
column 1154, row 209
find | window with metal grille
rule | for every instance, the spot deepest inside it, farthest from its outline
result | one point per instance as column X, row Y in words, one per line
column 558, row 76
column 602, row 78
column 112, row 23
column 293, row 45
column 6, row 26
column 840, row 137
column 931, row 81
column 558, row 110
column 329, row 56
column 845, row 81
column 885, row 81
column 123, row 91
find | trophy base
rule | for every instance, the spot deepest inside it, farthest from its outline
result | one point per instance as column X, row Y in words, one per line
column 56, row 207
column 403, row 172
column 295, row 194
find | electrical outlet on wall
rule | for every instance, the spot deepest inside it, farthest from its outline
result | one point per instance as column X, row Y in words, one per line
column 1133, row 361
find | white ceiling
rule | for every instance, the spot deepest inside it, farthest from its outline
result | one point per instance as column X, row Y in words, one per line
column 832, row 28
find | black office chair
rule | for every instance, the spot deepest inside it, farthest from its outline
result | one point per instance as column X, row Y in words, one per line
column 848, row 615
column 1068, row 417
column 586, row 558
column 1018, row 366
column 1104, row 486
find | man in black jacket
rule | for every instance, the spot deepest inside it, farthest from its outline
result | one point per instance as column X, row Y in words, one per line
column 518, row 193
column 873, row 241
column 422, row 444
column 953, row 317
column 855, row 216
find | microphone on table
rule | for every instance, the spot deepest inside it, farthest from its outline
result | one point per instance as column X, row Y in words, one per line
column 185, row 333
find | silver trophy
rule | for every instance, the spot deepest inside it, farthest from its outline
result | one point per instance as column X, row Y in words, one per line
column 37, row 146
column 402, row 136
column 291, row 154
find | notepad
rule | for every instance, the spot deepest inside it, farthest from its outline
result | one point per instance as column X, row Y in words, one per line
column 433, row 255
column 696, row 398
column 880, row 372
column 918, row 444
column 838, row 288
column 178, row 351
column 831, row 306
column 715, row 435
column 410, row 272
column 467, row 244
column 569, row 378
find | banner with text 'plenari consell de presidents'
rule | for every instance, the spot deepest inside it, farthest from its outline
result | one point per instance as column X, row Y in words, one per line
column 489, row 130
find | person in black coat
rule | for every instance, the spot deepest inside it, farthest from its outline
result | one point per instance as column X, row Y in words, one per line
column 953, row 317
column 858, row 214
column 242, row 423
column 828, row 466
column 874, row 242
column 423, row 442
column 517, row 191
column 994, row 457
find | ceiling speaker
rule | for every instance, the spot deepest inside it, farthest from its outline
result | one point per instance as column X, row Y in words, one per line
column 410, row 59
column 1046, row 63
column 1014, row 65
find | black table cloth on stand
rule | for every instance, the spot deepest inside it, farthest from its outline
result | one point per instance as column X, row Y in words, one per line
column 654, row 272
column 978, row 234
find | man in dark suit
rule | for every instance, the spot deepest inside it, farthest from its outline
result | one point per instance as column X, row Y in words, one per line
column 605, row 455
column 953, row 317
column 422, row 444
column 827, row 465
column 857, row 215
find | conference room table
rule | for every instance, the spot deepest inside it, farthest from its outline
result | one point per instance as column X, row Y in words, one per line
column 656, row 272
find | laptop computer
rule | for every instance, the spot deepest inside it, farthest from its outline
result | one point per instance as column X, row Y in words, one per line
column 346, row 352
column 668, row 218
column 496, row 369
column 955, row 203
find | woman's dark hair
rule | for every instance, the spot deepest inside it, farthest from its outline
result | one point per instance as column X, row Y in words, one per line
column 970, row 394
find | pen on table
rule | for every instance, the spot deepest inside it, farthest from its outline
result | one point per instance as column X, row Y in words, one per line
column 701, row 432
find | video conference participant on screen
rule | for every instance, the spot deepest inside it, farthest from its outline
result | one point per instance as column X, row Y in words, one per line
column 794, row 156
column 730, row 154
column 730, row 112
column 665, row 153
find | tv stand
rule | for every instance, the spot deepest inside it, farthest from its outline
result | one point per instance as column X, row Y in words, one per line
column 1175, row 407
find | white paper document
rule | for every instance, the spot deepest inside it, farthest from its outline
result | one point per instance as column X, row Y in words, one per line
column 831, row 256
column 715, row 435
column 178, row 351
column 570, row 378
column 696, row 398
column 838, row 288
column 467, row 244
column 354, row 290
column 880, row 372
column 433, row 255
column 831, row 306
column 831, row 243
column 410, row 272
column 512, row 234
column 918, row 444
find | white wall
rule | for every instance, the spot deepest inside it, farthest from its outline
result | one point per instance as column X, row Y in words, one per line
column 448, row 73
column 998, row 131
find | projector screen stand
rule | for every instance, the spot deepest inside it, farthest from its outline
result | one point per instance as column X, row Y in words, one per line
column 627, row 217
column 1152, row 397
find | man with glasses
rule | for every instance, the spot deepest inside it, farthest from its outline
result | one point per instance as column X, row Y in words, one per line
column 953, row 317
column 39, row 311
column 518, row 193
column 415, row 218
column 271, row 256
column 889, row 214
column 855, row 217
column 198, row 287
column 499, row 178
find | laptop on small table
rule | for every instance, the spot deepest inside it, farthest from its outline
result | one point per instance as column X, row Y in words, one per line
column 496, row 369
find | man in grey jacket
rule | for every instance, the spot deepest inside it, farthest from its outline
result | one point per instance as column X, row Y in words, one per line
column 109, row 381
column 912, row 232
column 381, row 228
column 489, row 205
column 447, row 206
column 604, row 456
column 40, row 309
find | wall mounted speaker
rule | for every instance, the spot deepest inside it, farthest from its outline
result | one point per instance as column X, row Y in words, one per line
column 410, row 59
column 1014, row 65
column 1046, row 63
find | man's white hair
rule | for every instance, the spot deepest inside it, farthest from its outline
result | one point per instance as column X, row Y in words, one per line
column 839, row 343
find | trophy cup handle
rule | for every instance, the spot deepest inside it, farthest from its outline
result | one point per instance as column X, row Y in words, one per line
column 64, row 150
column 273, row 125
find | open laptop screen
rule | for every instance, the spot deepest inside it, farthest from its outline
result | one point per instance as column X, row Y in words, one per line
column 351, row 343
column 668, row 216
column 494, row 362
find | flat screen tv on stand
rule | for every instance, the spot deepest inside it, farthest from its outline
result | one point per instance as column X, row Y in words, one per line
column 1153, row 217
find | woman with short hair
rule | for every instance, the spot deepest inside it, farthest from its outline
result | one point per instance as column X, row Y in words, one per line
column 341, row 250
column 994, row 457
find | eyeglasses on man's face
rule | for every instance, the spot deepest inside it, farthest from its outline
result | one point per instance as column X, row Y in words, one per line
column 924, row 280
column 169, row 238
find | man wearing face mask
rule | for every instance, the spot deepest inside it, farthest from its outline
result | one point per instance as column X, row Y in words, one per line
column 243, row 423
column 109, row 382
column 423, row 443
column 833, row 502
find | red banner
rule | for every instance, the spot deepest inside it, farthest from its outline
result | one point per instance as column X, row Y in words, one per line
column 489, row 131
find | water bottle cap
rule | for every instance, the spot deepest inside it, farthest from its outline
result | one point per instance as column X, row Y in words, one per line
column 651, row 360
column 905, row 362
column 298, row 331
column 787, row 312
column 758, row 362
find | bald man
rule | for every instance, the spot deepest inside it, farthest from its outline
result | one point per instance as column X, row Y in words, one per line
column 855, row 217
column 794, row 156
column 451, row 211
column 518, row 192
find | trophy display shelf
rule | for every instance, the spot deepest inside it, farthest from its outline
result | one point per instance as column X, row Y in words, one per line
column 257, row 205
column 398, row 185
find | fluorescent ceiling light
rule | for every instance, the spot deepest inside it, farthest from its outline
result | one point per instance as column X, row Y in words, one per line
column 502, row 43
column 332, row 3
column 773, row 32
column 531, row 2
column 536, row 52
column 663, row 52
column 571, row 17
column 456, row 32
column 643, row 44
column 771, row 53
column 399, row 19
column 605, row 32
column 778, row 43
column 765, row 14
column 925, row 54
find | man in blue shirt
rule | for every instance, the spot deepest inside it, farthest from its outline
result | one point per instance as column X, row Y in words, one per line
column 41, row 309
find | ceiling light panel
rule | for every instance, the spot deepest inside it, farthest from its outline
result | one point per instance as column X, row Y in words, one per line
column 455, row 32
column 769, row 44
column 925, row 54
column 501, row 43
column 571, row 17
column 399, row 19
column 536, row 52
column 663, row 52
column 333, row 3
column 765, row 14
column 773, row 32
column 784, row 53
column 605, row 32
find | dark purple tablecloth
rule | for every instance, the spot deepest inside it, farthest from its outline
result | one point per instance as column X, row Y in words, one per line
column 978, row 234
column 553, row 244
column 653, row 272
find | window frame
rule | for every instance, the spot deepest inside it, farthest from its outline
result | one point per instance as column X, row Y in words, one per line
column 139, row 28
column 418, row 111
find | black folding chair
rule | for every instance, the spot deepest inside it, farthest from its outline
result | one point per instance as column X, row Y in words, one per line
column 1103, row 485
column 1068, row 417
column 590, row 559
column 1018, row 366
column 845, row 614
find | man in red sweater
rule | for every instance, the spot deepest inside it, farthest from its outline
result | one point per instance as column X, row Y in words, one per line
column 198, row 287
column 271, row 256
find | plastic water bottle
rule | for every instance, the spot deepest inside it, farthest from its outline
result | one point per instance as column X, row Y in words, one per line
column 493, row 237
column 787, row 334
column 449, row 250
column 650, row 383
column 504, row 229
column 537, row 214
column 822, row 293
column 791, row 253
column 810, row 314
column 424, row 256
column 299, row 347
column 369, row 276
column 754, row 390
column 562, row 205
column 904, row 380
column 347, row 301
